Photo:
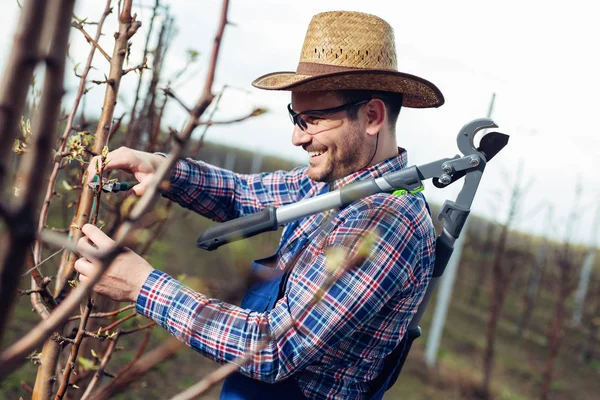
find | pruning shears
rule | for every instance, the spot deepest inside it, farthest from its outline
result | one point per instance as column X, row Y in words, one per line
column 111, row 185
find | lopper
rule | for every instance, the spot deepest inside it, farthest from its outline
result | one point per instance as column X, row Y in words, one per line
column 444, row 172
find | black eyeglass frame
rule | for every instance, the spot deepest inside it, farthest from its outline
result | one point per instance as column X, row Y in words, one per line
column 296, row 120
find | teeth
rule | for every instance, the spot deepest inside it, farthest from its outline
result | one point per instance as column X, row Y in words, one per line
column 314, row 153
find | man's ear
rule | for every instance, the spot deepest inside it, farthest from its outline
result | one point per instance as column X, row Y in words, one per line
column 376, row 114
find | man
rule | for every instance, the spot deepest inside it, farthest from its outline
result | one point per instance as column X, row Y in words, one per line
column 346, row 96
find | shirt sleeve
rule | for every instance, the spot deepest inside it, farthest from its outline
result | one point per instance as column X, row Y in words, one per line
column 294, row 334
column 222, row 195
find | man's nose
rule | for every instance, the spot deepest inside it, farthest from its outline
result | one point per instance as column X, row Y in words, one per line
column 300, row 137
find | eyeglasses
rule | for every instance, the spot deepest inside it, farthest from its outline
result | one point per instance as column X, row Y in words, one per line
column 317, row 121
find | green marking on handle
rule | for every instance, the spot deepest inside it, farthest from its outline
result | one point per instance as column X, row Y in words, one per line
column 402, row 192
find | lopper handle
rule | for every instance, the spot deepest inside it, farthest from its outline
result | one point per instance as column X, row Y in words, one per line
column 239, row 228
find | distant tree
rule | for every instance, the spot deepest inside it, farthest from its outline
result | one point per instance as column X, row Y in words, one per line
column 503, row 269
column 564, row 273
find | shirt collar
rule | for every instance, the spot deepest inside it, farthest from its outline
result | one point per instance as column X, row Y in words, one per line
column 374, row 171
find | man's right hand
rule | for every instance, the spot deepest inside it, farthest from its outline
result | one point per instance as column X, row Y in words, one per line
column 141, row 164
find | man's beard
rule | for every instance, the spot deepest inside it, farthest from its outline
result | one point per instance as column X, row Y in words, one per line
column 331, row 169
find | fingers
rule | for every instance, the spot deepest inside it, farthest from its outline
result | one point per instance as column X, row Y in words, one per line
column 121, row 158
column 95, row 236
column 139, row 189
column 85, row 269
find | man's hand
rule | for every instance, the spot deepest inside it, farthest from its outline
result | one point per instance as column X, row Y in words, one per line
column 126, row 275
column 141, row 164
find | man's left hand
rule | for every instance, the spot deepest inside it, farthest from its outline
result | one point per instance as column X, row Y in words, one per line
column 126, row 275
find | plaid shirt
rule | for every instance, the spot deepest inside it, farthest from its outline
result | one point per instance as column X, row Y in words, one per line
column 338, row 346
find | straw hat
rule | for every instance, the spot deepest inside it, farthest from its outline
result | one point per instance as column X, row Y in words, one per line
column 352, row 50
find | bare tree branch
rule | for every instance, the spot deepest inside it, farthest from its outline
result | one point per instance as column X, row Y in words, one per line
column 16, row 243
column 105, row 314
column 132, row 119
column 14, row 355
column 140, row 367
column 169, row 93
column 127, row 27
column 139, row 328
column 118, row 322
column 37, row 253
column 97, row 378
column 18, row 74
column 139, row 67
column 200, row 143
column 254, row 113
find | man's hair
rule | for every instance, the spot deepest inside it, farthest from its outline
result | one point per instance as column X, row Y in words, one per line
column 392, row 101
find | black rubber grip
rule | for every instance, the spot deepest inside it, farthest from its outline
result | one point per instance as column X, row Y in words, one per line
column 443, row 252
column 237, row 229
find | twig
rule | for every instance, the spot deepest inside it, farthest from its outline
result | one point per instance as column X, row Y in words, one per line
column 41, row 262
column 254, row 113
column 70, row 365
column 118, row 322
column 25, row 386
column 139, row 368
column 137, row 329
column 169, row 93
column 39, row 290
column 200, row 143
column 13, row 356
column 157, row 230
column 138, row 353
column 137, row 67
column 155, row 130
column 116, row 126
column 97, row 378
column 105, row 314
column 90, row 40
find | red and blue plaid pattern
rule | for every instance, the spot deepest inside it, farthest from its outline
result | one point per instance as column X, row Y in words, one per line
column 337, row 347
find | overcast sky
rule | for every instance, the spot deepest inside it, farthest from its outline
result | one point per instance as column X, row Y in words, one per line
column 540, row 58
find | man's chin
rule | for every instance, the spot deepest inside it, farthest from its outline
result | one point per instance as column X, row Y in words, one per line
column 317, row 174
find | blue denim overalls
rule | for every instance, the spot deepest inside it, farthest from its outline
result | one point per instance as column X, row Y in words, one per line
column 261, row 297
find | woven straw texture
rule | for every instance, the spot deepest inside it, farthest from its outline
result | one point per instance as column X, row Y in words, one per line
column 352, row 50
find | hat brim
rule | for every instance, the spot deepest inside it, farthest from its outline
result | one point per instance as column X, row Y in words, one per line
column 417, row 92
